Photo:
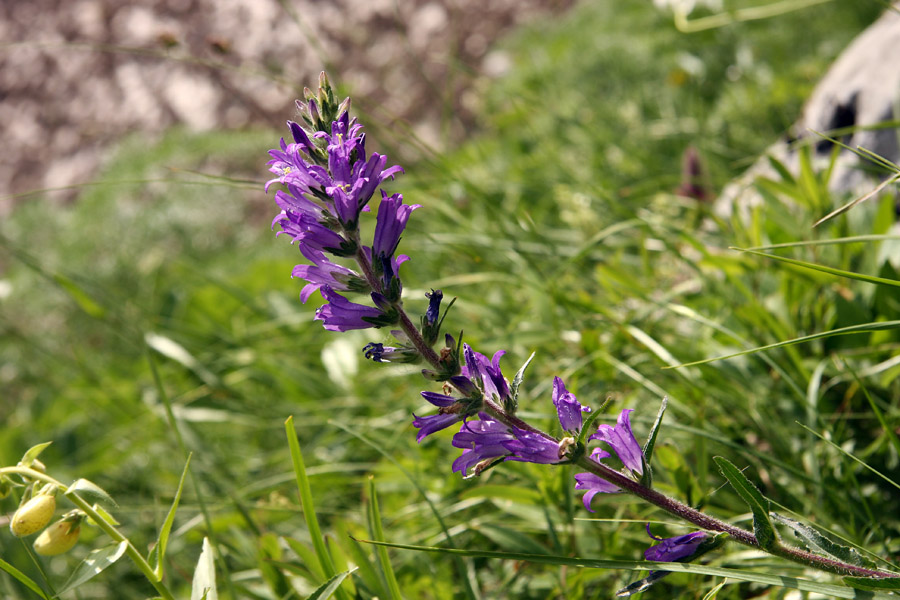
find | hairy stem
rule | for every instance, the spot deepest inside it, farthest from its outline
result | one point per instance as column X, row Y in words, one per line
column 670, row 505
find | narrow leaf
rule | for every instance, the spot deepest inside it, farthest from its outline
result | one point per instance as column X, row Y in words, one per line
column 175, row 351
column 90, row 491
column 795, row 583
column 871, row 583
column 878, row 326
column 647, row 454
column 860, row 200
column 759, row 504
column 81, row 298
column 31, row 455
column 654, row 430
column 306, row 503
column 824, row 269
column 519, row 378
column 166, row 529
column 203, row 585
column 384, row 561
column 22, row 578
column 818, row 542
column 328, row 588
column 94, row 564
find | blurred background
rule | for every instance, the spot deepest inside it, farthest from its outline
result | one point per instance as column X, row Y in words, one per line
column 547, row 142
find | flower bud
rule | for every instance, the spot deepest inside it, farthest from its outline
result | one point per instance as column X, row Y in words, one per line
column 32, row 516
column 58, row 538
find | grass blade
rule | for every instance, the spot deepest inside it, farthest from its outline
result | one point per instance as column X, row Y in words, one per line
column 795, row 583
column 166, row 529
column 306, row 502
column 824, row 269
column 387, row 571
column 23, row 579
column 880, row 326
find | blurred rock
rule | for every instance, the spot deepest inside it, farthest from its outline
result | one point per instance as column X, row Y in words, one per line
column 860, row 91
column 77, row 75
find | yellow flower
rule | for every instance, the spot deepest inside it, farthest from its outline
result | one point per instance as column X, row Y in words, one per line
column 32, row 516
column 58, row 538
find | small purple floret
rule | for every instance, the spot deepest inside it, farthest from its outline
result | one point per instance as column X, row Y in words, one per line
column 480, row 440
column 676, row 548
column 568, row 407
column 342, row 315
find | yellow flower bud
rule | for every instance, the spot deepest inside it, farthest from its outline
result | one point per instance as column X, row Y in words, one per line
column 58, row 538
column 32, row 516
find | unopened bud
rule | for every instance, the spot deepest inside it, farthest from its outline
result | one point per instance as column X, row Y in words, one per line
column 58, row 538
column 32, row 516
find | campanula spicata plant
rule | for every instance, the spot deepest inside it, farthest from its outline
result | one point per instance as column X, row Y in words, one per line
column 328, row 181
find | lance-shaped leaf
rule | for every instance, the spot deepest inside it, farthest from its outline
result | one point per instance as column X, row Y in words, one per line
column 327, row 589
column 873, row 584
column 90, row 491
column 159, row 550
column 94, row 564
column 819, row 543
column 759, row 504
column 647, row 454
column 517, row 381
column 32, row 454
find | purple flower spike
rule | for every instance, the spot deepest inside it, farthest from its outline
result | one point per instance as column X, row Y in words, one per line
column 342, row 315
column 594, row 485
column 674, row 549
column 568, row 407
column 622, row 441
column 480, row 440
column 533, row 447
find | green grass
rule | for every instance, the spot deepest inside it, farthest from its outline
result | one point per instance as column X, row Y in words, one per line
column 557, row 227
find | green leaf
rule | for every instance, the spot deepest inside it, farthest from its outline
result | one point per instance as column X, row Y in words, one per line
column 818, row 542
column 878, row 326
column 90, row 491
column 328, row 588
column 94, row 564
column 519, row 378
column 871, row 583
column 823, row 268
column 23, row 578
column 793, row 583
column 31, row 455
column 175, row 351
column 162, row 541
column 373, row 512
column 306, row 501
column 513, row 493
column 81, row 298
column 203, row 586
column 859, row 200
column 307, row 558
column 647, row 479
column 759, row 504
column 510, row 539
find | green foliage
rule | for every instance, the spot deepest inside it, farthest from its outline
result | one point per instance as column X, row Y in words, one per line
column 558, row 228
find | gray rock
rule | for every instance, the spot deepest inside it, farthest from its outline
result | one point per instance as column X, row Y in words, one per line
column 859, row 92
